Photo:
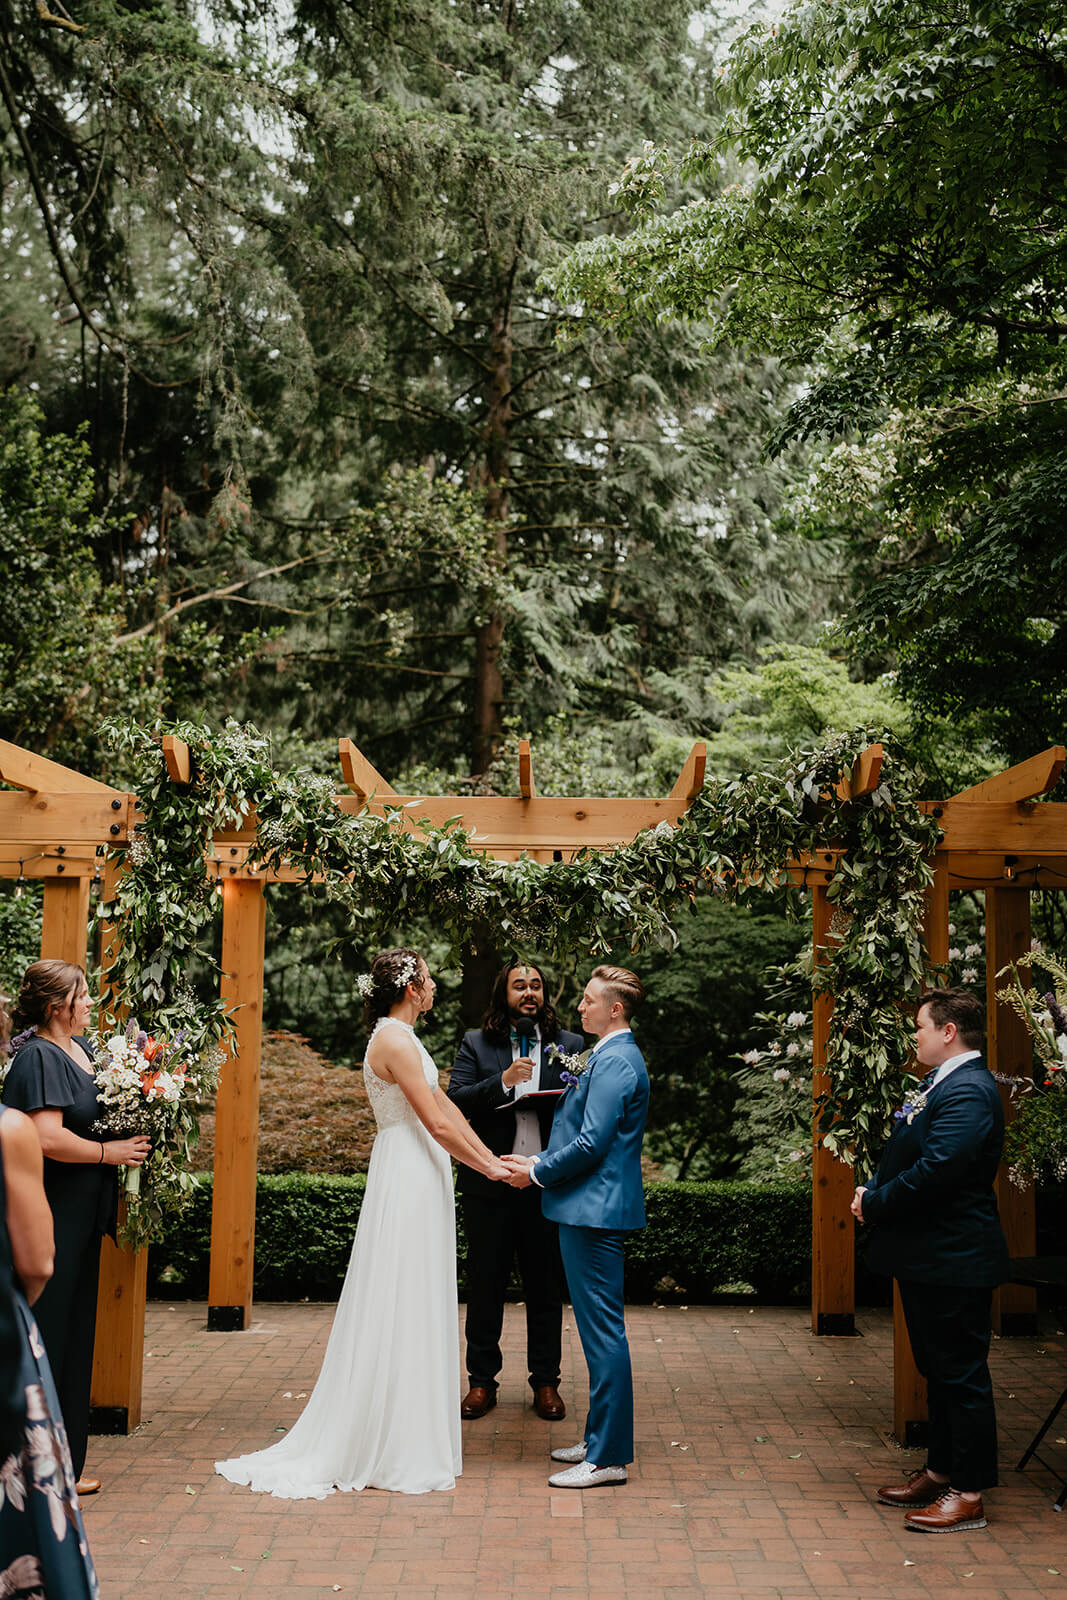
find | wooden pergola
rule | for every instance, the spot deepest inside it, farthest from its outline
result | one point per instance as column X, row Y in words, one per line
column 59, row 826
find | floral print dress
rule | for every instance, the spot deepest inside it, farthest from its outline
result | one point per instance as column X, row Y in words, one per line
column 44, row 1552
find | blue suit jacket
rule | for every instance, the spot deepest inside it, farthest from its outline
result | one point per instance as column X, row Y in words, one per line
column 591, row 1171
column 932, row 1206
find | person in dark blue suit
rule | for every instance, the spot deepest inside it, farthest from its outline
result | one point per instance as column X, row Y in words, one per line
column 591, row 1177
column 933, row 1210
column 497, row 1065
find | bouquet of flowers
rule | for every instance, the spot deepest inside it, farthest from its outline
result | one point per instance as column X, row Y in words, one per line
column 1036, row 1140
column 155, row 1087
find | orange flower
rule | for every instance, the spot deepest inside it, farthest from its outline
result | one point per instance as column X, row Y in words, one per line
column 152, row 1049
column 149, row 1081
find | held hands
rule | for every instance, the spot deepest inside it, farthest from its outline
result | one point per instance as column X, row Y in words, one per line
column 857, row 1204
column 520, row 1071
column 518, row 1171
column 127, row 1152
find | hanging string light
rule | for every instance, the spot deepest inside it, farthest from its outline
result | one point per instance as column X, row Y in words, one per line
column 20, row 882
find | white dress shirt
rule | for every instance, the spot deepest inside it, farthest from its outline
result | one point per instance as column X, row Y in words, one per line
column 951, row 1064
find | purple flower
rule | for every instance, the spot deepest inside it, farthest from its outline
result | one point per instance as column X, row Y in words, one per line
column 567, row 1077
column 1057, row 1013
column 141, row 1039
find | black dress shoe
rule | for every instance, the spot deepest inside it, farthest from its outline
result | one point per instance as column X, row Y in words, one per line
column 479, row 1399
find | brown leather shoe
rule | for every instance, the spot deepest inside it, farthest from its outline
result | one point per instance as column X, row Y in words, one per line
column 87, row 1486
column 951, row 1512
column 548, row 1403
column 478, row 1399
column 920, row 1490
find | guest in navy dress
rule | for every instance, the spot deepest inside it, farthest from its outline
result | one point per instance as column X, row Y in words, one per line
column 43, row 1547
column 51, row 1079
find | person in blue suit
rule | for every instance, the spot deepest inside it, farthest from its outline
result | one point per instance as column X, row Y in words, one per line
column 933, row 1210
column 591, row 1177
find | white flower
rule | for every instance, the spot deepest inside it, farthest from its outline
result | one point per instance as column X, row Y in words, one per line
column 750, row 1057
column 797, row 1019
column 955, row 954
column 782, row 1075
column 796, row 1155
column 952, row 927
column 970, row 975
column 972, row 952
column 365, row 985
column 776, row 1049
column 792, row 1048
column 1062, row 1044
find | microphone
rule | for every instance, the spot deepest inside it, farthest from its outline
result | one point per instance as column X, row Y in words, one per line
column 525, row 1031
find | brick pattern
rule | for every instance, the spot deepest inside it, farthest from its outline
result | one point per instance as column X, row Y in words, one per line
column 759, row 1450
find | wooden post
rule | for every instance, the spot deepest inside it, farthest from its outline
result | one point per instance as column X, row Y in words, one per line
column 833, row 1261
column 233, row 1209
column 910, row 1412
column 65, row 923
column 1010, row 1052
column 118, row 1354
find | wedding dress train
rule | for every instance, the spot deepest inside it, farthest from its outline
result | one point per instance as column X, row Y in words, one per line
column 384, row 1413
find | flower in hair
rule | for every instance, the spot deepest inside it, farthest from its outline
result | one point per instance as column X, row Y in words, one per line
column 20, row 1038
column 365, row 984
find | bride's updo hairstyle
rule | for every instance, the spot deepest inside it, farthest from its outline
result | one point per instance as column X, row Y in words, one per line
column 47, row 987
column 390, row 974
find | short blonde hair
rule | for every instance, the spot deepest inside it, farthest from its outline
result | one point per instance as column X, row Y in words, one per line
column 622, row 985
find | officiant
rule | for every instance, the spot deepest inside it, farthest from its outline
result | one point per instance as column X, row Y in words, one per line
column 498, row 1067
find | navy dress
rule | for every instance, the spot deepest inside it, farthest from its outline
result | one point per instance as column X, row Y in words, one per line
column 43, row 1547
column 84, row 1200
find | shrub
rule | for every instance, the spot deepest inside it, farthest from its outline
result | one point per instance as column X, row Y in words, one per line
column 701, row 1237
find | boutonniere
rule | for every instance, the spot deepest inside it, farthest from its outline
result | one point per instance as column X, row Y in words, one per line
column 911, row 1108
column 570, row 1067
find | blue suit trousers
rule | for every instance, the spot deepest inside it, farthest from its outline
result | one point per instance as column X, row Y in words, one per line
column 593, row 1261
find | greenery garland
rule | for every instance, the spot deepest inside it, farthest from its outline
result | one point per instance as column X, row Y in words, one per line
column 733, row 841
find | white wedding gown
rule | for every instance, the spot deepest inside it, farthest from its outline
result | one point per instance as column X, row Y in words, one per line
column 384, row 1413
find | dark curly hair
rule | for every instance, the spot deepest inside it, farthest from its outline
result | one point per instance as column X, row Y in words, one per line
column 386, row 971
column 496, row 1024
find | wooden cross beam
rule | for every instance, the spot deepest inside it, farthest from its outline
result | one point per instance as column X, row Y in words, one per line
column 690, row 780
column 37, row 774
column 363, row 779
column 1025, row 781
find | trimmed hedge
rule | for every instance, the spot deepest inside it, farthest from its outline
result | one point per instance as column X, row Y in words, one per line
column 702, row 1239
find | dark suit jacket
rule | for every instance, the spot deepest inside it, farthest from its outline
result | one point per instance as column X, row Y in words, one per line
column 476, row 1088
column 931, row 1206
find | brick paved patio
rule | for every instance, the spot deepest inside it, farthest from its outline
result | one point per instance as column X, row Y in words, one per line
column 758, row 1444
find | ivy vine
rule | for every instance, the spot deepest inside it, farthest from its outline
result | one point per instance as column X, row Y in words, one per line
column 733, row 841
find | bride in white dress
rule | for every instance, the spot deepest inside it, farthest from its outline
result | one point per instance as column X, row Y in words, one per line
column 384, row 1413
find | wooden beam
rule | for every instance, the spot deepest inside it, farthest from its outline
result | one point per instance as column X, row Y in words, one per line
column 65, row 924
column 910, row 1410
column 690, row 780
column 543, row 823
column 1010, row 1053
column 177, row 755
column 34, row 773
column 233, row 1206
column 118, row 1354
column 1037, row 776
column 1003, row 827
column 34, row 822
column 363, row 779
column 833, row 1245
column 865, row 776
column 527, row 788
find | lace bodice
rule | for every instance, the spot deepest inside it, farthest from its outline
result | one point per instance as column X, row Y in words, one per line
column 388, row 1100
